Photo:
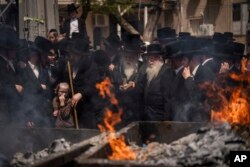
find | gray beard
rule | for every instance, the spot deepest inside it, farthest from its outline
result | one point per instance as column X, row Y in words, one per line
column 153, row 71
column 129, row 69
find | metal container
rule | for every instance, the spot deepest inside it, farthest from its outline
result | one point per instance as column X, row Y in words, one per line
column 15, row 140
column 136, row 132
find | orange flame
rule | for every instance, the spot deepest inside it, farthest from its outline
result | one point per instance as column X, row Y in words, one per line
column 231, row 103
column 120, row 151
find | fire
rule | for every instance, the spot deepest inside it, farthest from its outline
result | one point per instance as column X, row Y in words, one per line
column 231, row 103
column 120, row 150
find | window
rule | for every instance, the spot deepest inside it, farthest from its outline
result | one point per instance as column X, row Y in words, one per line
column 236, row 12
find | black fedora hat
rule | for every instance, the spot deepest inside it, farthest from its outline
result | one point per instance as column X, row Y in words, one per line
column 79, row 46
column 9, row 38
column 154, row 49
column 72, row 8
column 132, row 43
column 44, row 44
column 166, row 35
column 174, row 49
column 112, row 41
column 229, row 36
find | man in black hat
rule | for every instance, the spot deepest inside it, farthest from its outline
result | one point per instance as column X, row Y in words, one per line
column 125, row 77
column 110, row 50
column 36, row 93
column 85, row 76
column 154, row 86
column 74, row 24
column 10, row 84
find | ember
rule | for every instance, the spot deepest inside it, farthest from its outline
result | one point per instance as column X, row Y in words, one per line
column 28, row 158
column 210, row 146
column 120, row 150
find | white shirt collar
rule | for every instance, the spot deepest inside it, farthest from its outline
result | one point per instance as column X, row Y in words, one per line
column 32, row 65
column 178, row 69
column 195, row 70
column 9, row 62
column 4, row 58
column 207, row 60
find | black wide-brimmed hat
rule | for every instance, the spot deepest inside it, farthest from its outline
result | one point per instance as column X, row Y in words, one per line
column 183, row 35
column 239, row 50
column 33, row 48
column 132, row 43
column 229, row 36
column 72, row 8
column 79, row 46
column 9, row 38
column 154, row 49
column 174, row 49
column 219, row 38
column 166, row 34
column 112, row 41
column 193, row 47
column 224, row 51
column 44, row 44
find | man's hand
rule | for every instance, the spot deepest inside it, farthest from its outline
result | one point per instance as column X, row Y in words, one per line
column 186, row 73
column 75, row 99
column 127, row 86
column 44, row 87
column 55, row 113
column 224, row 67
column 30, row 124
column 111, row 67
column 19, row 88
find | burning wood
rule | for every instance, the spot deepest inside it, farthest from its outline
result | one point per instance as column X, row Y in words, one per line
column 21, row 160
column 120, row 150
column 210, row 146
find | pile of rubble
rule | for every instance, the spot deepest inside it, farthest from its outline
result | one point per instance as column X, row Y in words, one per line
column 210, row 146
column 28, row 158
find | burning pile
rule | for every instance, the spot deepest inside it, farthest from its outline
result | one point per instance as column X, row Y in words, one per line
column 210, row 146
column 229, row 97
column 28, row 158
column 120, row 150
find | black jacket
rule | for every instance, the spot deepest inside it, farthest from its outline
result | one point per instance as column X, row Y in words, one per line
column 90, row 106
column 9, row 97
column 36, row 100
column 155, row 95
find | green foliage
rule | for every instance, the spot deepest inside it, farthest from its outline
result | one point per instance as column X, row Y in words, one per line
column 109, row 6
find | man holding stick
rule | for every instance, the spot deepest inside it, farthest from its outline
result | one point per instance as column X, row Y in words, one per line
column 82, row 77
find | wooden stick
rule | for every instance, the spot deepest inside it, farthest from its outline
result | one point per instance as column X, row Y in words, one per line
column 72, row 91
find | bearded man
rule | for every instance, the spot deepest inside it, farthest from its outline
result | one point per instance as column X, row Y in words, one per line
column 153, row 87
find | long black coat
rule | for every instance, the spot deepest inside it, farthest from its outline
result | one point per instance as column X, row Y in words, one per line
column 9, row 97
column 81, row 27
column 195, row 107
column 155, row 95
column 36, row 101
column 90, row 107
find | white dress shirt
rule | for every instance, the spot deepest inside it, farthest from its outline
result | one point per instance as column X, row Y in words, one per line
column 207, row 60
column 73, row 26
column 195, row 70
column 34, row 69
